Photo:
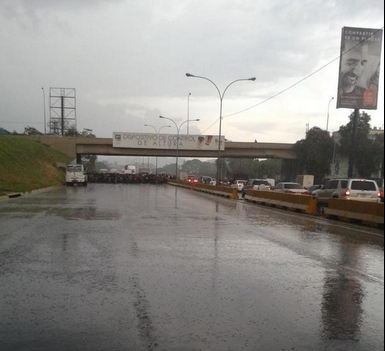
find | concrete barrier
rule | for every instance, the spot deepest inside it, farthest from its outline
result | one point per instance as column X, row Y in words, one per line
column 180, row 184
column 350, row 210
column 208, row 189
column 299, row 203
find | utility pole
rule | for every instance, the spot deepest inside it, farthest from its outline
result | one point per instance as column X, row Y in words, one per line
column 352, row 157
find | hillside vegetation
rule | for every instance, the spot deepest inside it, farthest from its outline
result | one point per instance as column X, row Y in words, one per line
column 27, row 165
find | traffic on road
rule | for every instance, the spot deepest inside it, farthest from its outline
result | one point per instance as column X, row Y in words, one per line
column 140, row 267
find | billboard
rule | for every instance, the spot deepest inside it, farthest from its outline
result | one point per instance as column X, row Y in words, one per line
column 359, row 73
column 167, row 141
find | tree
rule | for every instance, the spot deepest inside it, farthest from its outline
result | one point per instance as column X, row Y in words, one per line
column 89, row 161
column 315, row 153
column 31, row 131
column 246, row 168
column 199, row 168
column 73, row 132
column 369, row 152
column 168, row 169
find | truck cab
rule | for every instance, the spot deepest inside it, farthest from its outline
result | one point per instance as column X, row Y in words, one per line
column 75, row 175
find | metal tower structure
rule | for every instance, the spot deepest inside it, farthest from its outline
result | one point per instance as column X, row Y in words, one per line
column 62, row 106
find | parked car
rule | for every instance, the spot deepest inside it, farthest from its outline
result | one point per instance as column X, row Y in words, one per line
column 314, row 189
column 239, row 185
column 291, row 188
column 256, row 184
column 350, row 189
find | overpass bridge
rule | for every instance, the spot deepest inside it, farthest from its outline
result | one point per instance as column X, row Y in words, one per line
column 76, row 147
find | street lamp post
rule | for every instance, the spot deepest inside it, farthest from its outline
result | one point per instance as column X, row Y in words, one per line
column 178, row 128
column 327, row 124
column 188, row 114
column 45, row 121
column 157, row 131
column 221, row 97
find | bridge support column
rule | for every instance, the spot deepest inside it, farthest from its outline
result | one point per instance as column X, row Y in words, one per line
column 289, row 170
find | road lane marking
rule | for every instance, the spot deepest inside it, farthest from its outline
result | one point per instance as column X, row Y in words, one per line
column 378, row 280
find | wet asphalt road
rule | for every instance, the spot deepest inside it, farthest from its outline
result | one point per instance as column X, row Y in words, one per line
column 140, row 267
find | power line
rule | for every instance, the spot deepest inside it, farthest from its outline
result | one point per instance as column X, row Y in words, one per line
column 307, row 77
column 295, row 84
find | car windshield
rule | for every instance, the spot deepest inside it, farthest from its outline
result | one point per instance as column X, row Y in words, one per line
column 293, row 186
column 364, row 186
column 74, row 169
column 261, row 182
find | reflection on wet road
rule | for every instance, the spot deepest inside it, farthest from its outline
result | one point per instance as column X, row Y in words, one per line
column 140, row 267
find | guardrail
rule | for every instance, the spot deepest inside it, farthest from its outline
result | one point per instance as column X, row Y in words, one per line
column 299, row 203
column 350, row 210
column 208, row 189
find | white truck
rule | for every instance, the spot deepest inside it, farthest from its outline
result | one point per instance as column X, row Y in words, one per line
column 129, row 169
column 306, row 180
column 75, row 175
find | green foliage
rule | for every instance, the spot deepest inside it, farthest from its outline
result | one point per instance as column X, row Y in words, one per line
column 199, row 168
column 89, row 161
column 346, row 132
column 27, row 165
column 254, row 168
column 315, row 154
column 369, row 153
column 31, row 131
column 73, row 132
column 168, row 169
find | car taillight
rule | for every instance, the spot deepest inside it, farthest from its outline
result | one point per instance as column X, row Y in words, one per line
column 379, row 194
column 347, row 192
column 306, row 193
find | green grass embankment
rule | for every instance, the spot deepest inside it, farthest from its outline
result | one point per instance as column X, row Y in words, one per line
column 27, row 165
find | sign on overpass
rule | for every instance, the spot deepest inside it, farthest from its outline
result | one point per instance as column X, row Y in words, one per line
column 167, row 141
column 74, row 147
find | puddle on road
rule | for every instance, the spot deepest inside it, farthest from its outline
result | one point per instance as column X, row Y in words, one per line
column 86, row 213
column 52, row 201
column 80, row 213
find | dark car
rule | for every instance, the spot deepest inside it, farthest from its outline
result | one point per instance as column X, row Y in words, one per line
column 224, row 183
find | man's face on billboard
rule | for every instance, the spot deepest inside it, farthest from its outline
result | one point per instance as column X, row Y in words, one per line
column 352, row 67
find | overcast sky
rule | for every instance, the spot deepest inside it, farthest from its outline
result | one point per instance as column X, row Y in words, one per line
column 127, row 60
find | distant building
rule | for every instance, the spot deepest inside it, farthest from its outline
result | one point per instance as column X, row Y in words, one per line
column 374, row 132
column 4, row 131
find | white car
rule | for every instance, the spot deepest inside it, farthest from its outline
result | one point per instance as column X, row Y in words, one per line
column 349, row 189
column 239, row 185
column 291, row 188
column 208, row 180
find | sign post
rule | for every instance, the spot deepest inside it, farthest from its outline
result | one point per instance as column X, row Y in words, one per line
column 359, row 74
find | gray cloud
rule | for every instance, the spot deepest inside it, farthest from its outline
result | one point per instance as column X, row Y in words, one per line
column 128, row 59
